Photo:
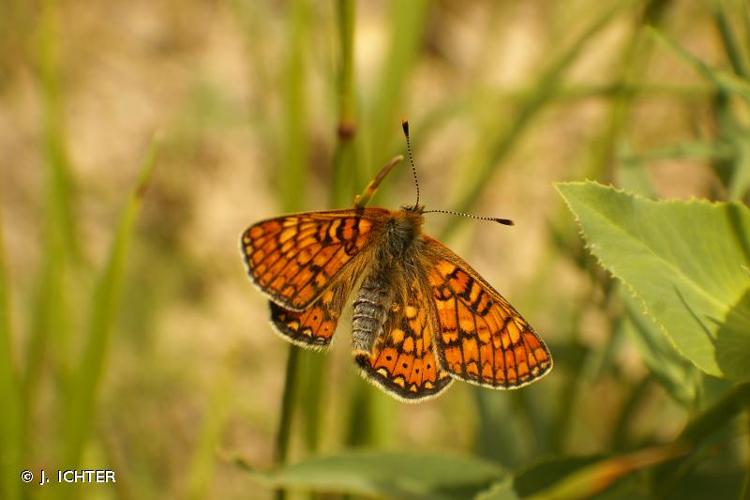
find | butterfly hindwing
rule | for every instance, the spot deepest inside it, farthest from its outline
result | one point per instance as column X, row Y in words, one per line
column 314, row 327
column 295, row 258
column 482, row 339
column 402, row 360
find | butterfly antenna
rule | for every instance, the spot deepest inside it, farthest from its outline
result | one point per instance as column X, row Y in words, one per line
column 405, row 127
column 506, row 222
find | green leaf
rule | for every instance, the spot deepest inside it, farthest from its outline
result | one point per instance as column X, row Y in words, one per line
column 394, row 475
column 594, row 478
column 678, row 376
column 549, row 471
column 685, row 262
column 502, row 490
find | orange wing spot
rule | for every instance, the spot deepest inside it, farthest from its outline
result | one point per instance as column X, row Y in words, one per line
column 257, row 257
column 325, row 255
column 505, row 338
column 470, row 350
column 307, row 242
column 520, row 353
column 523, row 369
column 465, row 320
column 408, row 345
column 410, row 312
column 472, row 369
column 306, row 294
column 459, row 283
column 448, row 317
column 290, row 221
column 499, row 360
column 486, row 353
column 512, row 330
column 316, row 318
column 327, row 328
column 474, row 292
column 403, row 365
column 320, row 280
column 430, row 370
column 348, row 230
column 483, row 332
column 332, row 229
column 277, row 283
column 387, row 359
column 420, row 346
column 290, row 271
column 541, row 356
column 444, row 268
column 416, row 372
column 531, row 341
column 449, row 337
column 453, row 358
column 487, row 374
column 510, row 367
column 287, row 246
column 512, row 377
column 304, row 256
column 256, row 232
column 397, row 335
column 363, row 225
column 500, row 376
column 287, row 234
column 399, row 381
column 327, row 297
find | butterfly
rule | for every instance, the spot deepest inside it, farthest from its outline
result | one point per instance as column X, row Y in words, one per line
column 421, row 316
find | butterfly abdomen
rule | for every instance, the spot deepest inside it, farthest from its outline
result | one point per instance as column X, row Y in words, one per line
column 371, row 307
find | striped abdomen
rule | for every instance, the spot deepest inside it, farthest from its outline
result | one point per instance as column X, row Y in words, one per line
column 370, row 309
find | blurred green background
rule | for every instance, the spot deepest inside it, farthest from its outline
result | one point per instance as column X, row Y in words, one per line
column 139, row 138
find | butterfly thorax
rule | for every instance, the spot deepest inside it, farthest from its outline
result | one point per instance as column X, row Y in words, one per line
column 394, row 261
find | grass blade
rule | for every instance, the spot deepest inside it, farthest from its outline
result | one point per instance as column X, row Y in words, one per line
column 10, row 417
column 546, row 88
column 80, row 411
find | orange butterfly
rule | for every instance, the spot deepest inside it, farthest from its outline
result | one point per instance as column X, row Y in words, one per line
column 421, row 315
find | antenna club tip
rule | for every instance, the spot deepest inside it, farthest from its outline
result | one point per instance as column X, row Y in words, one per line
column 506, row 222
column 405, row 126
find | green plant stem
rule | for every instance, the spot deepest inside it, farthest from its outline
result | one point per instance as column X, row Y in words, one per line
column 292, row 180
column 625, row 417
column 731, row 46
column 407, row 24
column 346, row 171
column 284, row 431
column 745, row 494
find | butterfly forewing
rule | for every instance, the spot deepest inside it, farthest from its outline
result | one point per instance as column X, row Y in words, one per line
column 482, row 339
column 294, row 259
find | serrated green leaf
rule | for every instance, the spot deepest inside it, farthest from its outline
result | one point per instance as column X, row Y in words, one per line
column 394, row 475
column 678, row 376
column 684, row 261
